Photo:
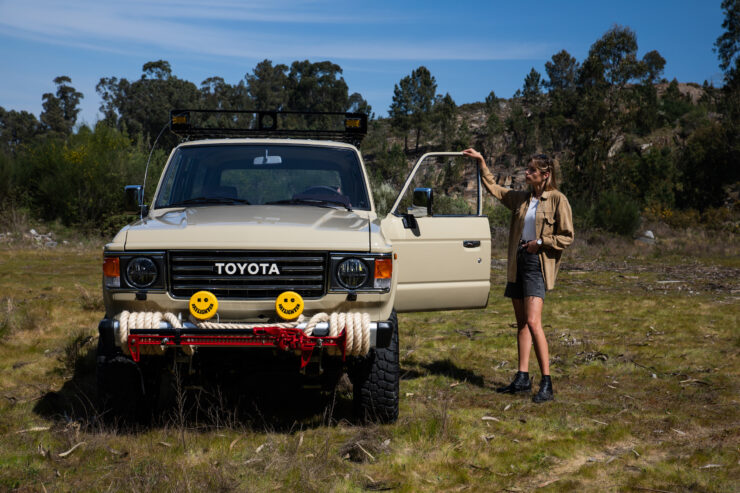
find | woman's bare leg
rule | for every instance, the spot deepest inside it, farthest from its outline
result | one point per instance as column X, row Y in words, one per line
column 523, row 338
column 533, row 310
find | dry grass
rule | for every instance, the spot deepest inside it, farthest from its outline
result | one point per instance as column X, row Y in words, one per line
column 645, row 374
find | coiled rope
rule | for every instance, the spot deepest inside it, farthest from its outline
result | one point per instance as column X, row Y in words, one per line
column 356, row 325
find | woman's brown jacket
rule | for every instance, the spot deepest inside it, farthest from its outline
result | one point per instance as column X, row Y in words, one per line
column 553, row 223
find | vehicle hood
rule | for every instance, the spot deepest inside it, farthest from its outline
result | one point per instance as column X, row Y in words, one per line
column 250, row 227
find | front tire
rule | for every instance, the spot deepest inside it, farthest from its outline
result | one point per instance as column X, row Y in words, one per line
column 119, row 385
column 375, row 379
column 128, row 392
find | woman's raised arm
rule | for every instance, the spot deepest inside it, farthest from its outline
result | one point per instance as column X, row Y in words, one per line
column 507, row 196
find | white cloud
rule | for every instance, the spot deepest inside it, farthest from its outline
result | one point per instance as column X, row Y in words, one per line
column 242, row 30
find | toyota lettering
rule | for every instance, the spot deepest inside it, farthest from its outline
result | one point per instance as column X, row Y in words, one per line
column 252, row 269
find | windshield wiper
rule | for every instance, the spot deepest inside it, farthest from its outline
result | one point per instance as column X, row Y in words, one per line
column 209, row 200
column 306, row 201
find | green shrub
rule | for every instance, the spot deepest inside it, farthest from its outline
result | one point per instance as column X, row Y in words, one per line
column 616, row 213
column 720, row 218
column 79, row 180
column 389, row 166
column 498, row 215
column 452, row 205
column 582, row 213
column 383, row 195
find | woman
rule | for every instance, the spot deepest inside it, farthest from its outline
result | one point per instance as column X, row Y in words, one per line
column 541, row 227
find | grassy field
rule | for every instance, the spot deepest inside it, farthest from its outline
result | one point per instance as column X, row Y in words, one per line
column 645, row 352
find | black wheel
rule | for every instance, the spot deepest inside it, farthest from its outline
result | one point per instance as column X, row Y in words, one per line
column 375, row 380
column 122, row 392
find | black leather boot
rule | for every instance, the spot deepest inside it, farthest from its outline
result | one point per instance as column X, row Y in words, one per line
column 545, row 393
column 521, row 383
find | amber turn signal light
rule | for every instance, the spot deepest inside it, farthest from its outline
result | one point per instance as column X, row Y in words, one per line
column 111, row 267
column 383, row 268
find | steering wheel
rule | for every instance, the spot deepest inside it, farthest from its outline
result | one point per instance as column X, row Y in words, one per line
column 321, row 189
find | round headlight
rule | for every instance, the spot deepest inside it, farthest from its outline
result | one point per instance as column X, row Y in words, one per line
column 141, row 272
column 352, row 273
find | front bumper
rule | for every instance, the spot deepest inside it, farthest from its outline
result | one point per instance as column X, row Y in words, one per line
column 287, row 339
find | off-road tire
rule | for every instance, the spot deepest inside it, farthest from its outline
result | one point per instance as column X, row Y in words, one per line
column 375, row 380
column 120, row 386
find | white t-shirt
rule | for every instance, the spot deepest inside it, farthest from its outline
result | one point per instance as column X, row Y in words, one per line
column 529, row 233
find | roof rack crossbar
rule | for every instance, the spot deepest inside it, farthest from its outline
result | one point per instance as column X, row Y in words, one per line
column 267, row 123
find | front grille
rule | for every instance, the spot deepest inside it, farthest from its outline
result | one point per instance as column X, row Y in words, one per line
column 247, row 274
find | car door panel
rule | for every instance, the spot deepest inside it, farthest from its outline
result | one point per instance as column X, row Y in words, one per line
column 444, row 262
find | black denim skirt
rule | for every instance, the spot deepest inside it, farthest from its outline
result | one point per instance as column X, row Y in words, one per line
column 529, row 280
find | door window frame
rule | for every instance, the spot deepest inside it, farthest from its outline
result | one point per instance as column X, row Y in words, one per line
column 409, row 179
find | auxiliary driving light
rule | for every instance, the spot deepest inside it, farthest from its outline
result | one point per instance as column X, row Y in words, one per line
column 352, row 123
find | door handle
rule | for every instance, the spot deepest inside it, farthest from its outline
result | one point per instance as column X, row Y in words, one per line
column 471, row 243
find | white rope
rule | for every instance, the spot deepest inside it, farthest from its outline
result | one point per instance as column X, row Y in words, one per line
column 356, row 325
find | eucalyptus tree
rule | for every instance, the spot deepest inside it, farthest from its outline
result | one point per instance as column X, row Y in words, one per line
column 267, row 85
column 60, row 110
column 16, row 129
column 142, row 106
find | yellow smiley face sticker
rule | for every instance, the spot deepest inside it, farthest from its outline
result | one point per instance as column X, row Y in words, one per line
column 203, row 305
column 289, row 305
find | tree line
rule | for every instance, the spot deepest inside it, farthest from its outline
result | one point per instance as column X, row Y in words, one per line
column 627, row 139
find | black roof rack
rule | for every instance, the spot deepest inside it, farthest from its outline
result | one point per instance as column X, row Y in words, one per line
column 323, row 125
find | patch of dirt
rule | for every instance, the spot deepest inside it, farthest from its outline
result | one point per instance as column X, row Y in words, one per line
column 566, row 468
column 626, row 450
column 693, row 278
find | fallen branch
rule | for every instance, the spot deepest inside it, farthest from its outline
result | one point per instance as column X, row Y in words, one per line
column 694, row 380
column 366, row 452
column 546, row 483
column 65, row 454
column 35, row 428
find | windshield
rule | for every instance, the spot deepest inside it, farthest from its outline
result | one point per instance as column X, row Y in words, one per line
column 260, row 174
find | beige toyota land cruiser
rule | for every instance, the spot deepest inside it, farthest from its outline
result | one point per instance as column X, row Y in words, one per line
column 264, row 251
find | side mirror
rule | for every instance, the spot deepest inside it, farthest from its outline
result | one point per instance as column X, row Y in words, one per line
column 134, row 200
column 421, row 202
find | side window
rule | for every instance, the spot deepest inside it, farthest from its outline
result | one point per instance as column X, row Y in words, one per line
column 166, row 189
column 454, row 184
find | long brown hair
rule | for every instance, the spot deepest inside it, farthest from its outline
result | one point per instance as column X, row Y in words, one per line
column 546, row 164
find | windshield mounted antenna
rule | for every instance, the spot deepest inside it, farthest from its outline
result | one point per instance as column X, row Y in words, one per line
column 146, row 170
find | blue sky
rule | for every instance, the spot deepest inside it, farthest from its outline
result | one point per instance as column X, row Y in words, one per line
column 471, row 47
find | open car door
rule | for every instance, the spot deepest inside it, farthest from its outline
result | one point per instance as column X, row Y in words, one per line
column 442, row 244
